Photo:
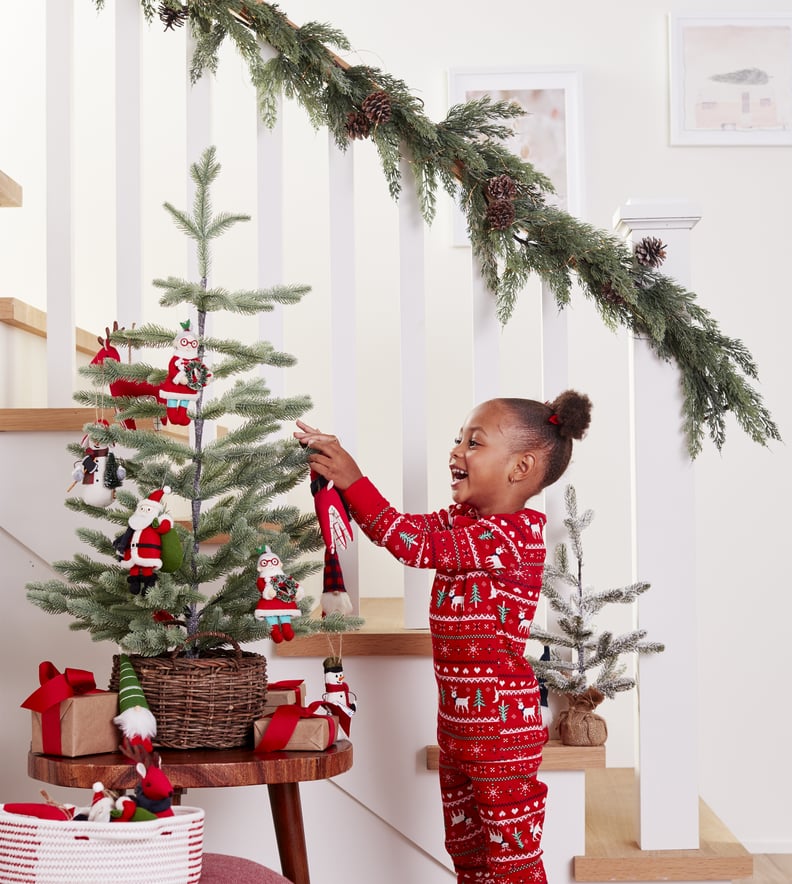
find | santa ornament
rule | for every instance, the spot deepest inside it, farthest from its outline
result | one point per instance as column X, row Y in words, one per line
column 98, row 473
column 336, row 532
column 135, row 719
column 187, row 376
column 279, row 596
column 140, row 547
column 337, row 698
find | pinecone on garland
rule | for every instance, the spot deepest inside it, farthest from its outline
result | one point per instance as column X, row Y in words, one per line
column 500, row 214
column 172, row 16
column 501, row 187
column 357, row 125
column 609, row 293
column 650, row 252
column 377, row 107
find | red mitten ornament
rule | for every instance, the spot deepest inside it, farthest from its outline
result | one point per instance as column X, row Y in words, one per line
column 187, row 376
column 336, row 531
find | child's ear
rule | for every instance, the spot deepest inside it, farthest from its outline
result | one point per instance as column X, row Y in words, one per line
column 525, row 466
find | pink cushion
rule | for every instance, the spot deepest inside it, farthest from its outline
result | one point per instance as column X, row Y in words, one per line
column 220, row 869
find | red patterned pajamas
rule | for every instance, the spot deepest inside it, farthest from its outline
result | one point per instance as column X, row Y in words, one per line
column 486, row 586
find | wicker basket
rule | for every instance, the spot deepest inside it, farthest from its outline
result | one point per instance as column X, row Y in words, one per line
column 206, row 702
column 168, row 850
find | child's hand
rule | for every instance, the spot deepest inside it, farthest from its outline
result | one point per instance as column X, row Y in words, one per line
column 328, row 459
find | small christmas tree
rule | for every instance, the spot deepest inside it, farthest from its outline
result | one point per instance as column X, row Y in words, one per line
column 588, row 653
column 234, row 483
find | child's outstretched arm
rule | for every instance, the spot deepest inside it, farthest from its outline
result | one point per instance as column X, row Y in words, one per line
column 328, row 458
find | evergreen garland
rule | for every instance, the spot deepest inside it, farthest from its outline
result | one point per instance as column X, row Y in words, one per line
column 512, row 236
column 232, row 482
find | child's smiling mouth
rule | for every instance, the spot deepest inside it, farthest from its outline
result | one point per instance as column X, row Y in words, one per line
column 457, row 476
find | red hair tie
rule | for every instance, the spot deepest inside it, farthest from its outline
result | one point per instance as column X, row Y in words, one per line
column 554, row 419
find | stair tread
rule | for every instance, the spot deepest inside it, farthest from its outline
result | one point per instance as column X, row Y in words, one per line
column 613, row 853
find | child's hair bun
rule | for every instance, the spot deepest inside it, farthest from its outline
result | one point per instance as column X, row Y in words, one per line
column 572, row 413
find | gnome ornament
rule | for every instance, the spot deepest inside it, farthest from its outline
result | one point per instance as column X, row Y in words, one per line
column 279, row 596
column 139, row 548
column 102, row 805
column 187, row 375
column 336, row 532
column 135, row 719
column 337, row 698
column 98, row 473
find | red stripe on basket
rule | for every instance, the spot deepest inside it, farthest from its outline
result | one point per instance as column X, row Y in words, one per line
column 19, row 851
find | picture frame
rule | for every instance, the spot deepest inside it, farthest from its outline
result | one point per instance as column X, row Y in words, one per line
column 730, row 80
column 548, row 135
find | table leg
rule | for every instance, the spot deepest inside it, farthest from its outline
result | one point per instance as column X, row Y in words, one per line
column 289, row 832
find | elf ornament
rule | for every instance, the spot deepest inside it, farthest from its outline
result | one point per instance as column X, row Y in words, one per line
column 139, row 548
column 135, row 719
column 337, row 698
column 187, row 376
column 279, row 596
column 98, row 473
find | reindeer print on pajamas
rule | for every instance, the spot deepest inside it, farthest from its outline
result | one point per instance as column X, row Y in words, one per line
column 486, row 586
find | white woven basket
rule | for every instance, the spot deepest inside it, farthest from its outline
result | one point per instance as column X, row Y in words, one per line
column 168, row 850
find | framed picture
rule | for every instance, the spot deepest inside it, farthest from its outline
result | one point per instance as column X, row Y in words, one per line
column 548, row 135
column 731, row 79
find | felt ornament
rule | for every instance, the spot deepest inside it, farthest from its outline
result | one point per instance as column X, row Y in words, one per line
column 279, row 595
column 139, row 548
column 154, row 792
column 135, row 719
column 336, row 531
column 187, row 376
column 122, row 387
column 102, row 804
column 98, row 473
column 337, row 698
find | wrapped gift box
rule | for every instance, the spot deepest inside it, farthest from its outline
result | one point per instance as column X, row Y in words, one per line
column 280, row 695
column 86, row 725
column 310, row 734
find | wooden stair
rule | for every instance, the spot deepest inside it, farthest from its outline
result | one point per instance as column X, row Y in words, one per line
column 612, row 851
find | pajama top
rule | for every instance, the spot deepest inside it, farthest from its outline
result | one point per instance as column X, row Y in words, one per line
column 484, row 595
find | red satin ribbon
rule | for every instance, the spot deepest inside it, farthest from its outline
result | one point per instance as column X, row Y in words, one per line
column 285, row 685
column 55, row 688
column 283, row 723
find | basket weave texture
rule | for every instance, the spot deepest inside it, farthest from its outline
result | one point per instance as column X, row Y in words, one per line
column 168, row 850
column 206, row 702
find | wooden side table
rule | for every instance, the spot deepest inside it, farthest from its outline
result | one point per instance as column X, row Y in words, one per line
column 281, row 772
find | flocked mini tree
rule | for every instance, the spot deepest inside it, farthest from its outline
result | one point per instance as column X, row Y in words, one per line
column 234, row 483
column 581, row 659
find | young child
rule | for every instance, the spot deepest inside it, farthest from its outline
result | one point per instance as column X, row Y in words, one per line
column 488, row 552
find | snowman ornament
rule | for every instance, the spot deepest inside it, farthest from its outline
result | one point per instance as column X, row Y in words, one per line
column 279, row 596
column 95, row 472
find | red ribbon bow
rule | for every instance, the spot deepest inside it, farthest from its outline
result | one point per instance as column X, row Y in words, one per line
column 55, row 688
column 283, row 723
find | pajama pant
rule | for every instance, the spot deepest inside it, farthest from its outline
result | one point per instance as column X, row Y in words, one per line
column 494, row 814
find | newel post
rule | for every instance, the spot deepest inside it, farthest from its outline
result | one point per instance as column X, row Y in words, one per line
column 663, row 555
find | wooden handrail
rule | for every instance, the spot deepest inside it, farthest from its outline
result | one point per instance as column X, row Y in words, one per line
column 30, row 319
column 10, row 192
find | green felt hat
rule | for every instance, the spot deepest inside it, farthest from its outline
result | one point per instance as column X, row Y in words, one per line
column 130, row 693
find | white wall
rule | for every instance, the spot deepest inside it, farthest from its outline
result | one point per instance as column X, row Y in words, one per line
column 738, row 272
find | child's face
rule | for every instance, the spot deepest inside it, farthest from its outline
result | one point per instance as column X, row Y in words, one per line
column 483, row 462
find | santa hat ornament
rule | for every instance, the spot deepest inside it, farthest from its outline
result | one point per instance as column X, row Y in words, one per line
column 135, row 720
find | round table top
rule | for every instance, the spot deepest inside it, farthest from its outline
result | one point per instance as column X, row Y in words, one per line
column 196, row 768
